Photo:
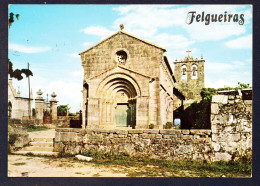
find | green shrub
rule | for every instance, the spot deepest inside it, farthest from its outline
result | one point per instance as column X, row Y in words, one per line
column 32, row 127
column 151, row 126
column 12, row 139
column 168, row 125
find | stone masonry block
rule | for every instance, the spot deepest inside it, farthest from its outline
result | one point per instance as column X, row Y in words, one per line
column 248, row 102
column 200, row 132
column 151, row 131
column 135, row 131
column 214, row 108
column 222, row 157
column 147, row 135
column 122, row 132
column 220, row 99
column 216, row 146
column 185, row 131
column 170, row 131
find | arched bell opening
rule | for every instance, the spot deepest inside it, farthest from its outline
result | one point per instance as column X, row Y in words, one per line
column 119, row 103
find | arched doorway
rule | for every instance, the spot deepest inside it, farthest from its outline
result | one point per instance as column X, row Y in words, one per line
column 118, row 107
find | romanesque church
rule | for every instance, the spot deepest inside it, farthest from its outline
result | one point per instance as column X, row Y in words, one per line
column 129, row 83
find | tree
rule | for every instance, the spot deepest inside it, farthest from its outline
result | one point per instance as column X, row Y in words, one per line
column 242, row 85
column 17, row 73
column 11, row 18
column 63, row 110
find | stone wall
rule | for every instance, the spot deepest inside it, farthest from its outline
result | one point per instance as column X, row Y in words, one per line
column 231, row 125
column 141, row 56
column 17, row 136
column 230, row 136
column 153, row 143
column 61, row 121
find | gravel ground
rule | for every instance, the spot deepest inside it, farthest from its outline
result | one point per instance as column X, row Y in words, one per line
column 19, row 166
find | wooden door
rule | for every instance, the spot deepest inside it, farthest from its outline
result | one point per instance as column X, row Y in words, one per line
column 121, row 115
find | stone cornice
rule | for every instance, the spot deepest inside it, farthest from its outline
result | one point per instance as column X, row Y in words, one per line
column 128, row 34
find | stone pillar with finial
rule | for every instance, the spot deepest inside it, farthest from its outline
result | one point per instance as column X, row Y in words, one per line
column 53, row 103
column 39, row 104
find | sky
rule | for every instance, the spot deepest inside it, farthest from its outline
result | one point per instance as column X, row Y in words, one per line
column 49, row 38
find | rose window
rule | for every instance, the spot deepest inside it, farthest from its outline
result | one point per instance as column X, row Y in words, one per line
column 121, row 57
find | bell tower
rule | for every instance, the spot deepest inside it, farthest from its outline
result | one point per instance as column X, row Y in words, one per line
column 189, row 74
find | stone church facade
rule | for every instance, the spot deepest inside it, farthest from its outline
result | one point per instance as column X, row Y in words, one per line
column 128, row 83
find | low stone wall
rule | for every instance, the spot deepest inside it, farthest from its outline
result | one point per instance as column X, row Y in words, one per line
column 153, row 143
column 17, row 136
column 25, row 122
column 61, row 121
column 230, row 136
column 231, row 125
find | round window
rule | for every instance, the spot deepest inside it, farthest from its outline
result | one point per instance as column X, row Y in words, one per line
column 121, row 57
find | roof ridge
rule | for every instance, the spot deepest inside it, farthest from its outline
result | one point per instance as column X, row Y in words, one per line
column 131, row 35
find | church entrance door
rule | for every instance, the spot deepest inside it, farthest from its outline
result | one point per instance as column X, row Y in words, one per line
column 121, row 116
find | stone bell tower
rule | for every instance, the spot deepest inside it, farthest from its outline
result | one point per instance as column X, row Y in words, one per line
column 189, row 74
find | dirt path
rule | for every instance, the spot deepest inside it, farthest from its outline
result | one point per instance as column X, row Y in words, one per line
column 19, row 165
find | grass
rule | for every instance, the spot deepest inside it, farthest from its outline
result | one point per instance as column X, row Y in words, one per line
column 32, row 128
column 144, row 167
column 141, row 166
column 19, row 164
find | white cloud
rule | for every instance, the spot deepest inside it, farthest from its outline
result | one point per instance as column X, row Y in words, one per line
column 74, row 55
column 68, row 89
column 215, row 67
column 176, row 45
column 244, row 42
column 153, row 17
column 220, row 83
column 28, row 49
column 87, row 44
column 218, row 75
column 125, row 9
column 249, row 60
column 238, row 63
column 68, row 92
column 173, row 41
column 77, row 74
column 98, row 31
column 214, row 32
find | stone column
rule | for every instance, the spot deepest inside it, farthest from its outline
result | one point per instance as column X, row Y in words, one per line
column 53, row 103
column 93, row 119
column 39, row 101
column 142, row 112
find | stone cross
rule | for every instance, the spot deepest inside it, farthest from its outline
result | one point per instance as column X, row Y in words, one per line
column 121, row 27
column 188, row 51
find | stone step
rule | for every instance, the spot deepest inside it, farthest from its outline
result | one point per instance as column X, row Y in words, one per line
column 41, row 144
column 42, row 139
column 36, row 148
column 42, row 153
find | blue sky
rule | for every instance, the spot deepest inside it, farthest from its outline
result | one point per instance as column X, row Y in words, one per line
column 50, row 37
